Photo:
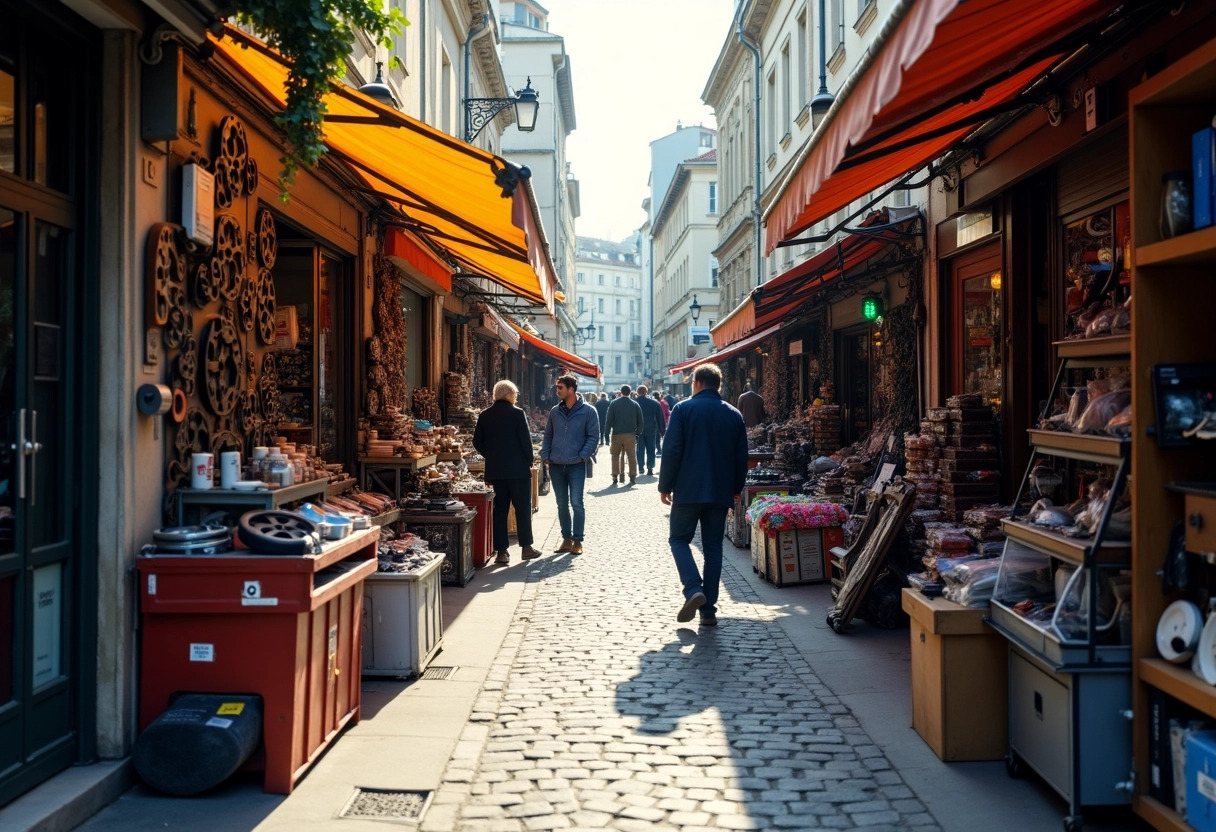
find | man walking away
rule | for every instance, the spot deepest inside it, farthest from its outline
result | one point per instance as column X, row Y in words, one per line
column 572, row 433
column 704, row 466
column 652, row 423
column 601, row 409
column 751, row 405
column 501, row 436
column 625, row 422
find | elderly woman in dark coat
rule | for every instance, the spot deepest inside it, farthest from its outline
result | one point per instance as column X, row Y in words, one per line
column 501, row 436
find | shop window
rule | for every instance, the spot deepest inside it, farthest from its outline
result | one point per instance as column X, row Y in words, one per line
column 854, row 384
column 1097, row 280
column 976, row 335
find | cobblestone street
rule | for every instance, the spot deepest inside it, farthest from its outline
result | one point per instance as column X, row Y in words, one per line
column 601, row 712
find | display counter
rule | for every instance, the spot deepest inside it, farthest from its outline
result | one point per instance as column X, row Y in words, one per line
column 287, row 628
column 447, row 532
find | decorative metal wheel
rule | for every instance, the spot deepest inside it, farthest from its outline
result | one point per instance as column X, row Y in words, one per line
column 193, row 435
column 228, row 263
column 185, row 367
column 268, row 238
column 179, row 327
column 251, row 176
column 265, row 307
column 279, row 533
column 204, row 287
column 223, row 189
column 166, row 269
column 249, row 412
column 246, row 305
column 222, row 363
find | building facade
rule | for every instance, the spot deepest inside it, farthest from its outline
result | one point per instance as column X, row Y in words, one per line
column 608, row 279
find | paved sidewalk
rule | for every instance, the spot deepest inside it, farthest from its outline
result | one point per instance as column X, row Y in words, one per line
column 578, row 702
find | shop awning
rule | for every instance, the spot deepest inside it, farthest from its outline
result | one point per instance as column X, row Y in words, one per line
column 939, row 69
column 751, row 342
column 445, row 190
column 566, row 360
column 497, row 326
column 783, row 294
column 737, row 324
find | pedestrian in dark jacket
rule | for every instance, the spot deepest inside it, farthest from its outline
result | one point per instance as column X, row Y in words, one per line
column 572, row 434
column 704, row 466
column 625, row 424
column 652, row 425
column 751, row 405
column 601, row 408
column 502, row 437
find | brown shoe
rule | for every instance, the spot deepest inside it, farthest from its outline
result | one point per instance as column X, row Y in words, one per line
column 530, row 554
column 576, row 547
column 504, row 558
column 709, row 621
column 567, row 543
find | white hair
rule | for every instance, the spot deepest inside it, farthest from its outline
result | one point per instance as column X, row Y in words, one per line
column 505, row 390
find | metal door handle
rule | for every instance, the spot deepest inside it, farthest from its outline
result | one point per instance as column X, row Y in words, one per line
column 33, row 446
column 20, row 448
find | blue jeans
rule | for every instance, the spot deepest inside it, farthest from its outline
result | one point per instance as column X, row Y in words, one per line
column 684, row 520
column 567, row 483
column 646, row 443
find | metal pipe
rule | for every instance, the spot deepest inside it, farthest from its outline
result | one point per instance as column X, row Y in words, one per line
column 474, row 33
column 756, row 217
column 823, row 49
column 422, row 60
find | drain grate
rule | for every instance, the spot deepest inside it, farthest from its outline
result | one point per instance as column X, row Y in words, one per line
column 438, row 672
column 387, row 804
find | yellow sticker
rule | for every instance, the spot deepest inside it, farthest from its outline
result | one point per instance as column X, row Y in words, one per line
column 231, row 708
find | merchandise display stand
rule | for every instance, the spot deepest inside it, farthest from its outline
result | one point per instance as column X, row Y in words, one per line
column 191, row 502
column 287, row 628
column 383, row 473
column 1068, row 692
column 450, row 533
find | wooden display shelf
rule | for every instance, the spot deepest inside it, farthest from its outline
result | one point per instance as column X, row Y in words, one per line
column 1112, row 552
column 1198, row 248
column 335, row 489
column 1107, row 450
column 399, row 462
column 1159, row 815
column 390, row 516
column 449, row 457
column 1106, row 346
column 1180, row 683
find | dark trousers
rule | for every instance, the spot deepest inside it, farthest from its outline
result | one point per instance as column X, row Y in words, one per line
column 684, row 520
column 646, row 448
column 509, row 493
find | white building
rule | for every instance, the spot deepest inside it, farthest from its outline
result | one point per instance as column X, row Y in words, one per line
column 530, row 52
column 684, row 232
column 608, row 279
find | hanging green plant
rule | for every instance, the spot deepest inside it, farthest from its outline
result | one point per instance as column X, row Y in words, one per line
column 316, row 35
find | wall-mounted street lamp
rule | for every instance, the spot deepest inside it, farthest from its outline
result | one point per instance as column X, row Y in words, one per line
column 822, row 102
column 378, row 89
column 478, row 112
column 584, row 334
column 695, row 309
column 647, row 350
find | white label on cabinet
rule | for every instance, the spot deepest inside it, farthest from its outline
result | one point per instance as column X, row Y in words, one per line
column 151, row 584
column 259, row 602
column 202, row 652
column 253, row 589
column 219, row 722
column 1206, row 785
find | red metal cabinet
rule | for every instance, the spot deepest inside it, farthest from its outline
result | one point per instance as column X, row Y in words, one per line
column 483, row 525
column 288, row 628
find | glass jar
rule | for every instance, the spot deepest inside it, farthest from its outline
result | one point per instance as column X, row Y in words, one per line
column 1176, row 216
column 280, row 471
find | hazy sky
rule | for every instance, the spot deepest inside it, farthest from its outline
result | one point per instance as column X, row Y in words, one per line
column 637, row 67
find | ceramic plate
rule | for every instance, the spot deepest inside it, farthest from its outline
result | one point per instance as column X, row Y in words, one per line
column 1178, row 631
column 1204, row 660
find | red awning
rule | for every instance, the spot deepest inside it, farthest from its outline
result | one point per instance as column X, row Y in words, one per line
column 783, row 294
column 403, row 247
column 939, row 71
column 737, row 348
column 738, row 323
column 567, row 360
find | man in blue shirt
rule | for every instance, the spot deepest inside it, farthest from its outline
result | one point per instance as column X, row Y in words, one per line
column 704, row 467
column 652, row 423
column 572, row 434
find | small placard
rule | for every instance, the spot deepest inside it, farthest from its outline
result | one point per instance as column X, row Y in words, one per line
column 219, row 722
column 151, row 584
column 202, row 652
column 885, row 473
column 231, row 708
column 253, row 589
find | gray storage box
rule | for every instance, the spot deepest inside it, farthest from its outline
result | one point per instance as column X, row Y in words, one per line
column 402, row 621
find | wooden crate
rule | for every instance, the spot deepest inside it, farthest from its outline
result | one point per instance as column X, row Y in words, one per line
column 960, row 673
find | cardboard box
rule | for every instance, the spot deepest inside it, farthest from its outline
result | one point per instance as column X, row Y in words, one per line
column 1201, row 781
column 797, row 556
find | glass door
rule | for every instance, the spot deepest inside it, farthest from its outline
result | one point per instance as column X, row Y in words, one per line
column 977, row 334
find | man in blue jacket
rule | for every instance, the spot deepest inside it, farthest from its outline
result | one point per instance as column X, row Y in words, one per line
column 572, row 434
column 652, row 425
column 704, row 466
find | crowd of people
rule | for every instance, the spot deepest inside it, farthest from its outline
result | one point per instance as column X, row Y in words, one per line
column 701, row 474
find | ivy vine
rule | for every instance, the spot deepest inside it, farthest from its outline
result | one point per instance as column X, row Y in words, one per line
column 317, row 36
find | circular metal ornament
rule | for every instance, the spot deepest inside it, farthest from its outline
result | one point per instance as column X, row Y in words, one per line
column 204, row 289
column 249, row 411
column 228, row 264
column 234, row 144
column 246, row 306
column 268, row 238
column 179, row 327
column 185, row 367
column 223, row 190
column 265, row 310
column 166, row 268
column 193, row 435
column 221, row 362
column 251, row 176
column 226, row 441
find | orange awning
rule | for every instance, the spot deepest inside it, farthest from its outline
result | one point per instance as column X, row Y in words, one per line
column 942, row 69
column 737, row 324
column 445, row 189
column 405, row 247
column 737, row 348
column 567, row 360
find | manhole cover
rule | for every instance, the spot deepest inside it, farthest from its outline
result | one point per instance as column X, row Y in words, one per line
column 387, row 804
column 438, row 672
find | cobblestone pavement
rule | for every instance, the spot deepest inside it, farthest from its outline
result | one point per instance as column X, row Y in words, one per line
column 602, row 712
